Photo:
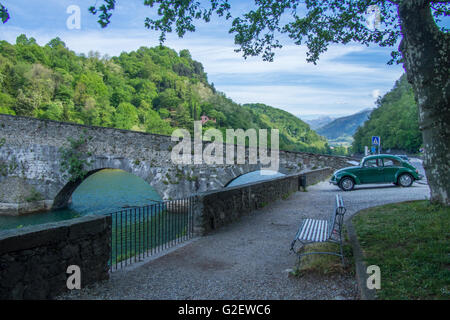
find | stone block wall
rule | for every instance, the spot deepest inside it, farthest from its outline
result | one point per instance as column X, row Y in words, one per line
column 315, row 176
column 34, row 260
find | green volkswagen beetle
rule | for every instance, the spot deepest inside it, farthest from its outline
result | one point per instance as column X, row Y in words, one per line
column 382, row 168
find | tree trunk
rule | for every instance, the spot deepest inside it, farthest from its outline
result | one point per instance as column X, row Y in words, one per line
column 425, row 51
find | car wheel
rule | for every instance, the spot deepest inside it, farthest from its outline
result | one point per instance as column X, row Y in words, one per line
column 346, row 184
column 405, row 180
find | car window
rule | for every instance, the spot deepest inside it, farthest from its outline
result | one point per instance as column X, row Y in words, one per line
column 372, row 163
column 391, row 162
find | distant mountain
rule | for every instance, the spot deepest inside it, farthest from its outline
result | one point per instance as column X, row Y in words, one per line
column 341, row 130
column 319, row 122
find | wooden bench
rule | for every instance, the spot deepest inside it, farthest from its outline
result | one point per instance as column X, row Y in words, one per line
column 316, row 231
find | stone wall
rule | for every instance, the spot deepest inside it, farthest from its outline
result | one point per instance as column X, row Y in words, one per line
column 31, row 163
column 314, row 176
column 34, row 260
column 216, row 209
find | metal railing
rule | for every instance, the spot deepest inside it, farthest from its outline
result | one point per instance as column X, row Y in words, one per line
column 143, row 231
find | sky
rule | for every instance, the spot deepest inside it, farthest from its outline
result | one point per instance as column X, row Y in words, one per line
column 347, row 79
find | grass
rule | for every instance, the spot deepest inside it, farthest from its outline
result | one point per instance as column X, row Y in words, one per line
column 324, row 264
column 409, row 241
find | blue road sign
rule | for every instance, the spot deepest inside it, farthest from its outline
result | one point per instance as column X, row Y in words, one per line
column 373, row 150
column 376, row 141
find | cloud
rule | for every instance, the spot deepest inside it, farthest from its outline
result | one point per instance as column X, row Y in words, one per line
column 376, row 93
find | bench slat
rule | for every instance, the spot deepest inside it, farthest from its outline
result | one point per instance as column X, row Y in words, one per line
column 314, row 230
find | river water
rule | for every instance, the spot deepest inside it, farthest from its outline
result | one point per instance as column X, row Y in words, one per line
column 108, row 191
column 254, row 177
column 105, row 191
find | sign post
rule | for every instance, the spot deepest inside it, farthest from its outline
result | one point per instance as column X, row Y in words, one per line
column 376, row 141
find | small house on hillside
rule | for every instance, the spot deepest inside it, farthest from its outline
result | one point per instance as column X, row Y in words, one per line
column 205, row 119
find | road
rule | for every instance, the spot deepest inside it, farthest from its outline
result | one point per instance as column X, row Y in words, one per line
column 250, row 258
column 416, row 162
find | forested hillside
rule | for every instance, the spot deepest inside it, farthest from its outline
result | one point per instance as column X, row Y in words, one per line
column 294, row 133
column 152, row 89
column 395, row 121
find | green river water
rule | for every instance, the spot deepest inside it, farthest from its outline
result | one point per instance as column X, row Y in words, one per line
column 106, row 191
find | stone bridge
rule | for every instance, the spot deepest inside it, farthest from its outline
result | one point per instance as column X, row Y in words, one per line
column 31, row 177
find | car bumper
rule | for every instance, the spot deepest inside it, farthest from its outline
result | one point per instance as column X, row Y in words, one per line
column 420, row 177
column 333, row 182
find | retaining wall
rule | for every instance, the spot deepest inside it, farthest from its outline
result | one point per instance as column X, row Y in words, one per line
column 216, row 209
column 34, row 260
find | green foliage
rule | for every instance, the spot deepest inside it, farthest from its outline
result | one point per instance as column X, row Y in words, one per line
column 295, row 135
column 73, row 159
column 4, row 15
column 396, row 121
column 340, row 150
column 126, row 116
column 34, row 196
column 153, row 90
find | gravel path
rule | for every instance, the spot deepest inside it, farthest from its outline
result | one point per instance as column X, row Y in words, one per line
column 249, row 259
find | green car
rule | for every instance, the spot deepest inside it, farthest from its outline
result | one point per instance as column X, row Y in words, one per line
column 382, row 168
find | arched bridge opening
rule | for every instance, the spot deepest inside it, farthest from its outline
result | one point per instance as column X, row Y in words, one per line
column 254, row 176
column 106, row 190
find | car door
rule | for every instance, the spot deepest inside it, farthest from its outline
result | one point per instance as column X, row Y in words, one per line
column 391, row 166
column 372, row 171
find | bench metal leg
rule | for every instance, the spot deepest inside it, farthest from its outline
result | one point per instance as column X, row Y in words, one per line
column 341, row 254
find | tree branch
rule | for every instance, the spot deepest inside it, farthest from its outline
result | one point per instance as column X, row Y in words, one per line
column 4, row 14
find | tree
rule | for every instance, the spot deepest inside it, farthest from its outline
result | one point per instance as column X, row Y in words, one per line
column 52, row 111
column 423, row 50
column 396, row 120
column 56, row 42
column 126, row 116
column 154, row 124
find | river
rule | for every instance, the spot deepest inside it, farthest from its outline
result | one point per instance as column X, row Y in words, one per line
column 108, row 191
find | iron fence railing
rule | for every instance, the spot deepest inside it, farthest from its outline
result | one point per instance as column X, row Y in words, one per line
column 143, row 231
